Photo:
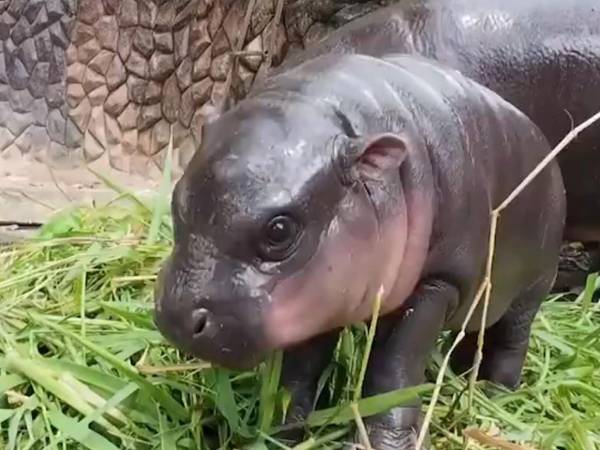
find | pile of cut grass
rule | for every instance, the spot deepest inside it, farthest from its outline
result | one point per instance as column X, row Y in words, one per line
column 83, row 367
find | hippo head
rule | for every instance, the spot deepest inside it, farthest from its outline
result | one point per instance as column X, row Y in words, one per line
column 283, row 229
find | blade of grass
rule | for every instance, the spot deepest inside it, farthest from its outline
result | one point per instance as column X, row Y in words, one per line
column 49, row 380
column 370, row 338
column 227, row 405
column 71, row 428
column 6, row 414
column 367, row 406
column 161, row 202
column 174, row 408
column 120, row 190
column 10, row 382
column 268, row 394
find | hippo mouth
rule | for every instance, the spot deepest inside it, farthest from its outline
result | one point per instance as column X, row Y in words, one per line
column 214, row 331
column 221, row 340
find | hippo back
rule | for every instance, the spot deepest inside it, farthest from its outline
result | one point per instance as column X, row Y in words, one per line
column 543, row 56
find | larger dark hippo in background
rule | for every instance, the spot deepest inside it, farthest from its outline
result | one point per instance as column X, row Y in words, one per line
column 349, row 173
column 543, row 56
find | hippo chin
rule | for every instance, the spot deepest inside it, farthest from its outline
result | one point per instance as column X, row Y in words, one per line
column 345, row 174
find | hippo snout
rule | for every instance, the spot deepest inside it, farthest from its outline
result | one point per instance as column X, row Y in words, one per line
column 227, row 332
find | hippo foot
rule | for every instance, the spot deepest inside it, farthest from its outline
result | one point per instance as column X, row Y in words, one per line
column 577, row 261
column 290, row 436
column 506, row 342
column 398, row 429
column 393, row 439
column 502, row 359
column 504, row 365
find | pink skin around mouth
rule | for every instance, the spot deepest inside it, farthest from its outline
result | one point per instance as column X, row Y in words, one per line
column 340, row 283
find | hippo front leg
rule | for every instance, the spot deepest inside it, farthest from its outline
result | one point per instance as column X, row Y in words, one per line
column 402, row 345
column 302, row 368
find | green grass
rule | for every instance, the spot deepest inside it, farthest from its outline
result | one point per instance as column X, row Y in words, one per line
column 82, row 366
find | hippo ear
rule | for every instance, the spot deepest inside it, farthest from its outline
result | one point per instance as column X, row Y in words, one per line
column 374, row 156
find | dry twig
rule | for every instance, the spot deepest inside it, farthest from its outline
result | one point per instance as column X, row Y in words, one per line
column 484, row 438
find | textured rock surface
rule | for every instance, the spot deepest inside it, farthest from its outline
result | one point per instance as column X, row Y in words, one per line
column 34, row 36
column 90, row 80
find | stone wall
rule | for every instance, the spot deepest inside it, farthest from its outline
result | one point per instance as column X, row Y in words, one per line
column 109, row 79
column 34, row 37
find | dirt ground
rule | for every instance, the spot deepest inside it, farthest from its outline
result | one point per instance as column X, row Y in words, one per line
column 31, row 192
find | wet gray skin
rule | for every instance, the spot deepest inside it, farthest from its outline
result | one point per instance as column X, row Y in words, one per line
column 344, row 174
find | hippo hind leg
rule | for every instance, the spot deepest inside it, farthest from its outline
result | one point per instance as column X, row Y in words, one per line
column 506, row 342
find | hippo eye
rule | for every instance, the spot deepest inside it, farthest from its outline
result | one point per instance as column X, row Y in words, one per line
column 279, row 230
column 280, row 235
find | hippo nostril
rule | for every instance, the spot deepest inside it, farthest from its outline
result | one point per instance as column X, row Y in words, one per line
column 200, row 321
